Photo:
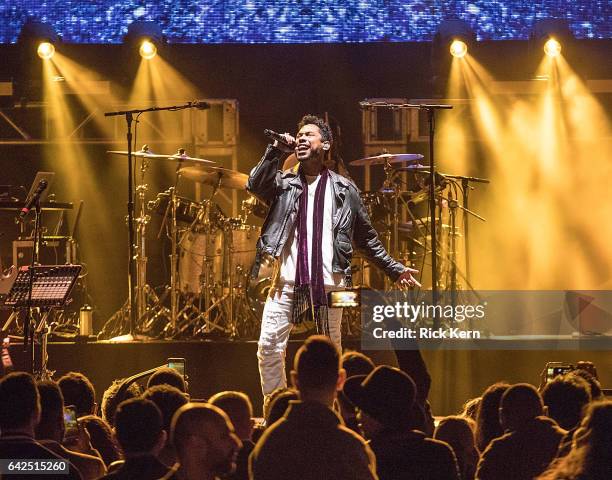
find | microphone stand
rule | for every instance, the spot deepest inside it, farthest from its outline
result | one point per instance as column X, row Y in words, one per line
column 430, row 109
column 132, row 335
column 466, row 212
column 28, row 324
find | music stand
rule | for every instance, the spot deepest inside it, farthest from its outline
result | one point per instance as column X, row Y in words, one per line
column 46, row 287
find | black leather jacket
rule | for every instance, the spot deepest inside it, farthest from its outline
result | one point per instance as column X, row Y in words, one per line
column 351, row 223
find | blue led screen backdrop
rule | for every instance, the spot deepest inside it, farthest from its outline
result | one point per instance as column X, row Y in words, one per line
column 300, row 21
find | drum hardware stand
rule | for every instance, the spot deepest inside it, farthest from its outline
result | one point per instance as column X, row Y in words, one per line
column 174, row 243
column 129, row 118
column 465, row 186
column 453, row 205
column 242, row 309
column 144, row 294
column 430, row 109
column 390, row 186
column 205, row 286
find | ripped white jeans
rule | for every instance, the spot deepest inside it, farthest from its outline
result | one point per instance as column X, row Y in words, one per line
column 275, row 329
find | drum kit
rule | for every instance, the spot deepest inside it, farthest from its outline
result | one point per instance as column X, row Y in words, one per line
column 210, row 292
column 210, row 258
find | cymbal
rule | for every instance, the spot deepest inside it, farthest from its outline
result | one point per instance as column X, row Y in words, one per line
column 176, row 156
column 386, row 157
column 216, row 176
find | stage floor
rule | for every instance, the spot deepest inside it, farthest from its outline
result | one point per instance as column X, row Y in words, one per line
column 213, row 366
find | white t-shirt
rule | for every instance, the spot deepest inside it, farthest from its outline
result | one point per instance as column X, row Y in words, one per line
column 288, row 258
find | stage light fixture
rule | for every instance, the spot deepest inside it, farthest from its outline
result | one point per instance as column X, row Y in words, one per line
column 548, row 34
column 38, row 37
column 45, row 50
column 552, row 48
column 454, row 36
column 458, row 48
column 147, row 50
column 146, row 37
column 452, row 41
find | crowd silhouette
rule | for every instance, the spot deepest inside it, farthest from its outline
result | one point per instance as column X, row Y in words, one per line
column 343, row 418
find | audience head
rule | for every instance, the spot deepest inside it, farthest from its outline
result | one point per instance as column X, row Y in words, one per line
column 565, row 398
column 204, row 439
column 317, row 374
column 237, row 406
column 110, row 399
column 51, row 424
column 458, row 432
column 78, row 391
column 167, row 376
column 470, row 408
column 356, row 363
column 102, row 438
column 488, row 425
column 591, row 453
column 138, row 426
column 168, row 399
column 19, row 403
column 268, row 400
column 520, row 404
column 596, row 427
column 385, row 399
column 595, row 386
column 279, row 405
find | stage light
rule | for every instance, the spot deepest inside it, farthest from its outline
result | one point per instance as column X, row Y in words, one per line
column 451, row 43
column 454, row 36
column 548, row 34
column 145, row 37
column 38, row 37
column 458, row 49
column 147, row 50
column 45, row 50
column 552, row 48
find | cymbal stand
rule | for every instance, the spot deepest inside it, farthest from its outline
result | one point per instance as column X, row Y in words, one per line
column 141, row 256
column 147, row 301
column 129, row 118
column 430, row 109
column 390, row 186
column 174, row 287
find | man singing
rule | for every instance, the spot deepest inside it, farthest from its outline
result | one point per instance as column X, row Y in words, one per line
column 315, row 217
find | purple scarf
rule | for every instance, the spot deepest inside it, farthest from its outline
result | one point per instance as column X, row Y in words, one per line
column 309, row 290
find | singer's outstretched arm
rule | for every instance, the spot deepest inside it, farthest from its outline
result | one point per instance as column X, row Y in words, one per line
column 263, row 181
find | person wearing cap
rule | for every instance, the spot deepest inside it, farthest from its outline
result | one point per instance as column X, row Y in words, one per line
column 385, row 401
